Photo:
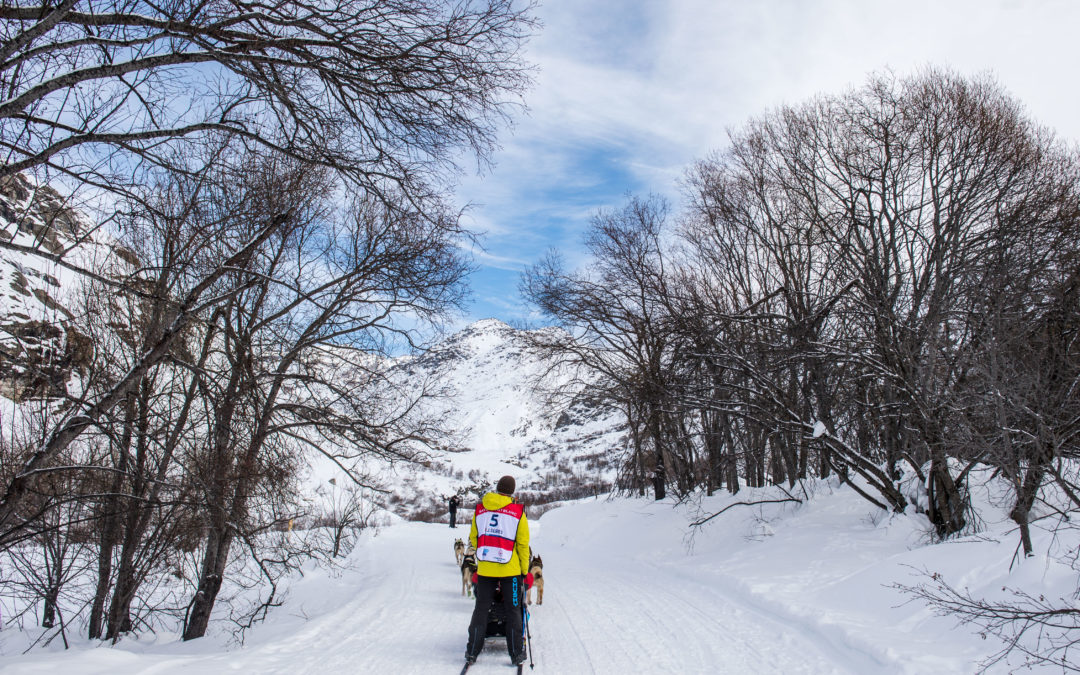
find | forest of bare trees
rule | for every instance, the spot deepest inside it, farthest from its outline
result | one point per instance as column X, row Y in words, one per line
column 265, row 188
column 880, row 286
column 876, row 285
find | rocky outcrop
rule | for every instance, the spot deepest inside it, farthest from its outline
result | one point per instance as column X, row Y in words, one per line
column 40, row 349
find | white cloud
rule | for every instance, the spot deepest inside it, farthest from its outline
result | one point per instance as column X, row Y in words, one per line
column 672, row 79
column 655, row 85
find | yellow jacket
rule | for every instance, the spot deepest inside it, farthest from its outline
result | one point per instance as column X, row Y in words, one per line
column 519, row 559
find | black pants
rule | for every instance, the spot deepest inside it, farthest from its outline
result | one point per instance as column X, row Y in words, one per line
column 453, row 517
column 513, row 597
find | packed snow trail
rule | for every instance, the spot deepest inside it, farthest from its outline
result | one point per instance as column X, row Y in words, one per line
column 613, row 605
column 610, row 606
column 776, row 589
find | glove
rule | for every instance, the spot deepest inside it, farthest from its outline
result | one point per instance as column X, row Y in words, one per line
column 475, row 578
column 528, row 580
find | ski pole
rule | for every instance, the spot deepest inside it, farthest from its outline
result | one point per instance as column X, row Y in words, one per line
column 528, row 635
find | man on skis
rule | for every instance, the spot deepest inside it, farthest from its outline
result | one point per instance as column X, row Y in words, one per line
column 500, row 535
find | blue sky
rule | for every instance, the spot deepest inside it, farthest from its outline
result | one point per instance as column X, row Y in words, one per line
column 629, row 93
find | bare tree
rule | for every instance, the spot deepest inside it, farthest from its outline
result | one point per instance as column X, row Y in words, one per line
column 1044, row 630
column 616, row 318
column 350, row 288
column 346, row 509
column 858, row 286
column 377, row 89
column 857, row 228
column 385, row 94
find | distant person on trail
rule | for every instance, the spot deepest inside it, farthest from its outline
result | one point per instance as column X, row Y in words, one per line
column 500, row 535
column 454, row 503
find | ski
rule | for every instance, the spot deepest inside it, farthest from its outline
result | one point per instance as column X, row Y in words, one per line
column 520, row 667
column 465, row 669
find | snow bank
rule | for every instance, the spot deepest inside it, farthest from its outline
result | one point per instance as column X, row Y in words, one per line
column 829, row 568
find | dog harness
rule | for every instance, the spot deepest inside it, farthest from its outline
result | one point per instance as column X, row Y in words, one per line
column 496, row 532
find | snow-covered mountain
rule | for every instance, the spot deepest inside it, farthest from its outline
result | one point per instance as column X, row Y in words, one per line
column 509, row 411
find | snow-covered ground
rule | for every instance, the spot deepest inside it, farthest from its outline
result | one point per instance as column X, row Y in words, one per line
column 631, row 588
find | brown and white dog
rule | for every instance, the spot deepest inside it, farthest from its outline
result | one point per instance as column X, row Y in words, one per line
column 536, row 568
column 459, row 550
column 468, row 568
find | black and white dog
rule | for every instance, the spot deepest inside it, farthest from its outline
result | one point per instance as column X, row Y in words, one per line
column 468, row 568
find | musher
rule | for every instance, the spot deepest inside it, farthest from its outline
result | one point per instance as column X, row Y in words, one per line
column 500, row 535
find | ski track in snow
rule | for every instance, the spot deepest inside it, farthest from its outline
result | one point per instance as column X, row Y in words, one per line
column 633, row 619
column 404, row 613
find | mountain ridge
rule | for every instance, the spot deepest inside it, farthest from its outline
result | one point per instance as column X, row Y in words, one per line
column 510, row 410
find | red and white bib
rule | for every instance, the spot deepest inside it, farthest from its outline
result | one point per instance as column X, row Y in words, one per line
column 496, row 532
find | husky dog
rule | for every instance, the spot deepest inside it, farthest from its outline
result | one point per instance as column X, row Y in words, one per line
column 468, row 568
column 459, row 550
column 536, row 568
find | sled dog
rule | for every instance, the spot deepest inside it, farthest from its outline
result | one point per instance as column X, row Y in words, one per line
column 459, row 550
column 536, row 568
column 468, row 568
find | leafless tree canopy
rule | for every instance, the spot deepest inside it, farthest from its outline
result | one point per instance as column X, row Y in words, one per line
column 378, row 89
column 880, row 286
column 271, row 184
column 854, row 283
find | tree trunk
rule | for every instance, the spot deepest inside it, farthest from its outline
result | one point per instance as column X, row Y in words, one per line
column 777, row 459
column 730, row 459
column 119, row 618
column 1025, row 498
column 710, row 435
column 97, row 608
column 48, row 614
column 127, row 582
column 660, row 470
column 110, row 531
column 215, row 557
column 946, row 504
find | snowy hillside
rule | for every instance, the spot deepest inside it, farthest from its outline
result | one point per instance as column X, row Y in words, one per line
column 508, row 412
column 631, row 588
column 38, row 350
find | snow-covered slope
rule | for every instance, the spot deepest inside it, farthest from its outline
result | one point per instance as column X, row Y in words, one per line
column 631, row 588
column 38, row 349
column 509, row 411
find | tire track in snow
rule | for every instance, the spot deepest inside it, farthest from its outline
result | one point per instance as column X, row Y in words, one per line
column 573, row 631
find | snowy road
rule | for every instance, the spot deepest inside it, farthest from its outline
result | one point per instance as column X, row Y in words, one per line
column 792, row 590
column 406, row 615
column 610, row 607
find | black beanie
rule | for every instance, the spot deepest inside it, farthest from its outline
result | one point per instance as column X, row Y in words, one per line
column 506, row 485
